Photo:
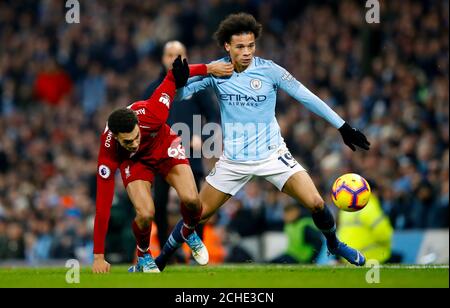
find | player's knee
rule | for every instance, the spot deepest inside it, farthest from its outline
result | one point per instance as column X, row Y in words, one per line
column 204, row 220
column 317, row 204
column 206, row 215
column 145, row 215
column 191, row 202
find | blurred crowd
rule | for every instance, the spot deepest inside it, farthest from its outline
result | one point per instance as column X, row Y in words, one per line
column 59, row 81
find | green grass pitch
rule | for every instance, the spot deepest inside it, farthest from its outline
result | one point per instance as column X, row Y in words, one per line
column 233, row 276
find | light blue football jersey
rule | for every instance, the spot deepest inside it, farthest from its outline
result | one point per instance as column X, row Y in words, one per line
column 247, row 106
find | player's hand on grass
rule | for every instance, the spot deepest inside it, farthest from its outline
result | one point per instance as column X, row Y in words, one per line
column 353, row 137
column 180, row 71
column 220, row 69
column 100, row 265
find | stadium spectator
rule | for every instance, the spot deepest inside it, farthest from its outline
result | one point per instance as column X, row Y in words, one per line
column 304, row 239
column 52, row 84
column 373, row 228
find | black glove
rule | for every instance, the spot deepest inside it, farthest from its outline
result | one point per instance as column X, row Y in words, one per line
column 353, row 137
column 180, row 71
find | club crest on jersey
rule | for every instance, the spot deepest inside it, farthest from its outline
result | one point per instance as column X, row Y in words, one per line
column 256, row 84
column 127, row 172
column 104, row 171
column 165, row 99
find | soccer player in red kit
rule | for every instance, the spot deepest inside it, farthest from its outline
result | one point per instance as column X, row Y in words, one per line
column 138, row 141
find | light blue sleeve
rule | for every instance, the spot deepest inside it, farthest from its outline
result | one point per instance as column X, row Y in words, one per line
column 285, row 81
column 194, row 85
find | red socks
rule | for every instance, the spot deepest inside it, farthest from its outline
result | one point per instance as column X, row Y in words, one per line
column 191, row 219
column 142, row 238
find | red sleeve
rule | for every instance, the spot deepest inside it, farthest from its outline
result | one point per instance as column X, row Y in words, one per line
column 197, row 70
column 106, row 168
column 158, row 105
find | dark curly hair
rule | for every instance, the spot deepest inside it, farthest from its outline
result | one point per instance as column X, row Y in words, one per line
column 237, row 24
column 122, row 120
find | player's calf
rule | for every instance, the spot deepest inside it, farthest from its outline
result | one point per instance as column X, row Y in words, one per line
column 324, row 220
column 142, row 235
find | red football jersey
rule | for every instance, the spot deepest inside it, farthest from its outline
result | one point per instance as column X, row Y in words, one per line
column 152, row 116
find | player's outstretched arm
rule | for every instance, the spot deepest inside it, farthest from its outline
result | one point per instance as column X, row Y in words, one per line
column 177, row 78
column 106, row 167
column 351, row 136
column 159, row 104
column 217, row 69
column 182, row 71
column 220, row 69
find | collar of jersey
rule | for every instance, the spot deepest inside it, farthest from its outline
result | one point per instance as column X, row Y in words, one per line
column 252, row 64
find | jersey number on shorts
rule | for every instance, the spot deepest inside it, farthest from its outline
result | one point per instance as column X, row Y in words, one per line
column 178, row 152
column 288, row 160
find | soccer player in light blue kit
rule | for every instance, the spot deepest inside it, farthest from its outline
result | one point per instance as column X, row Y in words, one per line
column 253, row 145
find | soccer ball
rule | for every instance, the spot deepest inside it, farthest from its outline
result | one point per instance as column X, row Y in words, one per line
column 350, row 192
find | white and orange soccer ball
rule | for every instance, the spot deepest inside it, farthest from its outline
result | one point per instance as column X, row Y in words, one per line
column 351, row 192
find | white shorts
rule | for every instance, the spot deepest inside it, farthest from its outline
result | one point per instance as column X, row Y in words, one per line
column 230, row 176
